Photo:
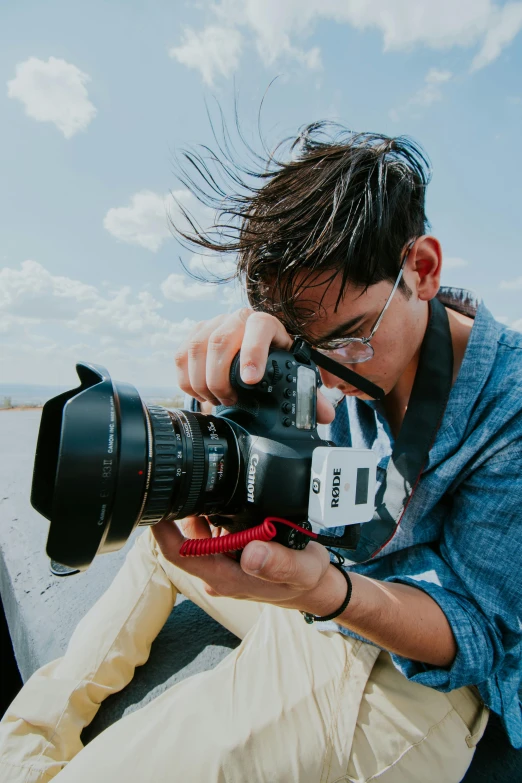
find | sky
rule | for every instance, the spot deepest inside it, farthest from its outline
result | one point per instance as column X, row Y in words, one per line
column 99, row 98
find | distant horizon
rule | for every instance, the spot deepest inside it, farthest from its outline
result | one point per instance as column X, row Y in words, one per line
column 36, row 395
column 64, row 387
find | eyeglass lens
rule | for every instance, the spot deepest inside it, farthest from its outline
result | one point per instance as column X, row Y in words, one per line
column 352, row 353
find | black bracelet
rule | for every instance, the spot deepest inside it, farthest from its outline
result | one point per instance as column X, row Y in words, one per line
column 313, row 618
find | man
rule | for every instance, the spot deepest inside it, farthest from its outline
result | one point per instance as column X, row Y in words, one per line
column 426, row 635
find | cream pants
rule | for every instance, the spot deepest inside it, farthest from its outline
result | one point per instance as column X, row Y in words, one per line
column 289, row 704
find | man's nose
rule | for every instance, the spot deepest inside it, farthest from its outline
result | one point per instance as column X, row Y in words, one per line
column 329, row 380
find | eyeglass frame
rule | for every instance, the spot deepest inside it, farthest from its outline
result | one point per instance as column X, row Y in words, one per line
column 342, row 342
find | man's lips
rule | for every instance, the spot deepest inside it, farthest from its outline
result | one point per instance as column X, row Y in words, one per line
column 336, row 393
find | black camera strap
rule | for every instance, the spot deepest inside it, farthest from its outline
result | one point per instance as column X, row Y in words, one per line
column 429, row 396
column 304, row 352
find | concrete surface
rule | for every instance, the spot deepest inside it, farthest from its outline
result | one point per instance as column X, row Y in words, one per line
column 42, row 609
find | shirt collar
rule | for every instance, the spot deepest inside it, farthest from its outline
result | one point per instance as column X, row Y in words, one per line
column 459, row 299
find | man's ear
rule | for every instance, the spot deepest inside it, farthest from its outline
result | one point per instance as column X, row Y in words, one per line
column 426, row 262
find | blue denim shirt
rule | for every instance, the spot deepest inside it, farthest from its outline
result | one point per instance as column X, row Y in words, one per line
column 460, row 538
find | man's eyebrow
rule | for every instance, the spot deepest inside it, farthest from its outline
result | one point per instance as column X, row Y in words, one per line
column 340, row 331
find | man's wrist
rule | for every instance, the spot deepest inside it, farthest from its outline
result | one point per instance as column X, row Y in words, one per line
column 328, row 596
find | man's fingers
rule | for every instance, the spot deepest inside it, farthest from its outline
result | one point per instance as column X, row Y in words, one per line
column 276, row 563
column 217, row 569
column 195, row 527
column 197, row 350
column 223, row 344
column 203, row 364
column 325, row 409
column 261, row 331
column 169, row 539
column 193, row 353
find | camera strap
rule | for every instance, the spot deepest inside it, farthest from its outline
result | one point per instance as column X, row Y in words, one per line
column 429, row 396
column 304, row 352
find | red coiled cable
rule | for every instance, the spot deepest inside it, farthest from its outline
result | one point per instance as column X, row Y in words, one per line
column 197, row 547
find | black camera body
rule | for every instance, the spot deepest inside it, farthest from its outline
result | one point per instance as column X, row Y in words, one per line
column 276, row 428
column 106, row 462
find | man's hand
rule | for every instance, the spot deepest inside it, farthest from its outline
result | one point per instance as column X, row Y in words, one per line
column 268, row 572
column 203, row 362
column 397, row 617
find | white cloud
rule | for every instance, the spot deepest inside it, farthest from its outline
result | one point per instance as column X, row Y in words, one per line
column 517, row 325
column 234, row 297
column 32, row 296
column 311, row 58
column 273, row 24
column 507, row 24
column 428, row 94
column 276, row 25
column 233, row 293
column 177, row 288
column 132, row 320
column 52, row 362
column 431, row 92
column 48, row 322
column 436, row 76
column 143, row 223
column 146, row 221
column 53, row 91
column 27, row 293
column 215, row 50
column 453, row 262
column 511, row 285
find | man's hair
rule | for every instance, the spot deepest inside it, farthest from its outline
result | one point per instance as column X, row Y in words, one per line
column 330, row 200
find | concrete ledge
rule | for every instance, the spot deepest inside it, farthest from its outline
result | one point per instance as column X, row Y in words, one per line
column 42, row 610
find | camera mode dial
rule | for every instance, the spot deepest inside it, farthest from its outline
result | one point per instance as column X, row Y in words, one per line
column 274, row 373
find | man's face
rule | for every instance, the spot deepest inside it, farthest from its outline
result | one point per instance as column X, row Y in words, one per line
column 397, row 340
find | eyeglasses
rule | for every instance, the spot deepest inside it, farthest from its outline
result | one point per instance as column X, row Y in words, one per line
column 355, row 350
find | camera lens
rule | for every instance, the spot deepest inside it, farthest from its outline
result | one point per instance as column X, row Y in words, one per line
column 193, row 460
column 105, row 463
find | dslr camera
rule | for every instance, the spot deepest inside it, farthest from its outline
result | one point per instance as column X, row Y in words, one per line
column 106, row 463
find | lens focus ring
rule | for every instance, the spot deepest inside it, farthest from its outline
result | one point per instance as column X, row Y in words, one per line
column 164, row 463
column 178, row 465
column 198, row 464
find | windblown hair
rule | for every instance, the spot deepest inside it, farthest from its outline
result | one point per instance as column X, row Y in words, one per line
column 330, row 200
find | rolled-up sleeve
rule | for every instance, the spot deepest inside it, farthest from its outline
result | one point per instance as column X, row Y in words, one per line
column 474, row 573
column 478, row 643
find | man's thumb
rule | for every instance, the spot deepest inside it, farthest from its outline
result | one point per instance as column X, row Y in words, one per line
column 255, row 557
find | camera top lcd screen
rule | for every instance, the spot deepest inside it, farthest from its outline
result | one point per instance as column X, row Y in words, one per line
column 306, row 398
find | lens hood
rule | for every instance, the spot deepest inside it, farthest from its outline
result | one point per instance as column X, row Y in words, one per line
column 91, row 468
